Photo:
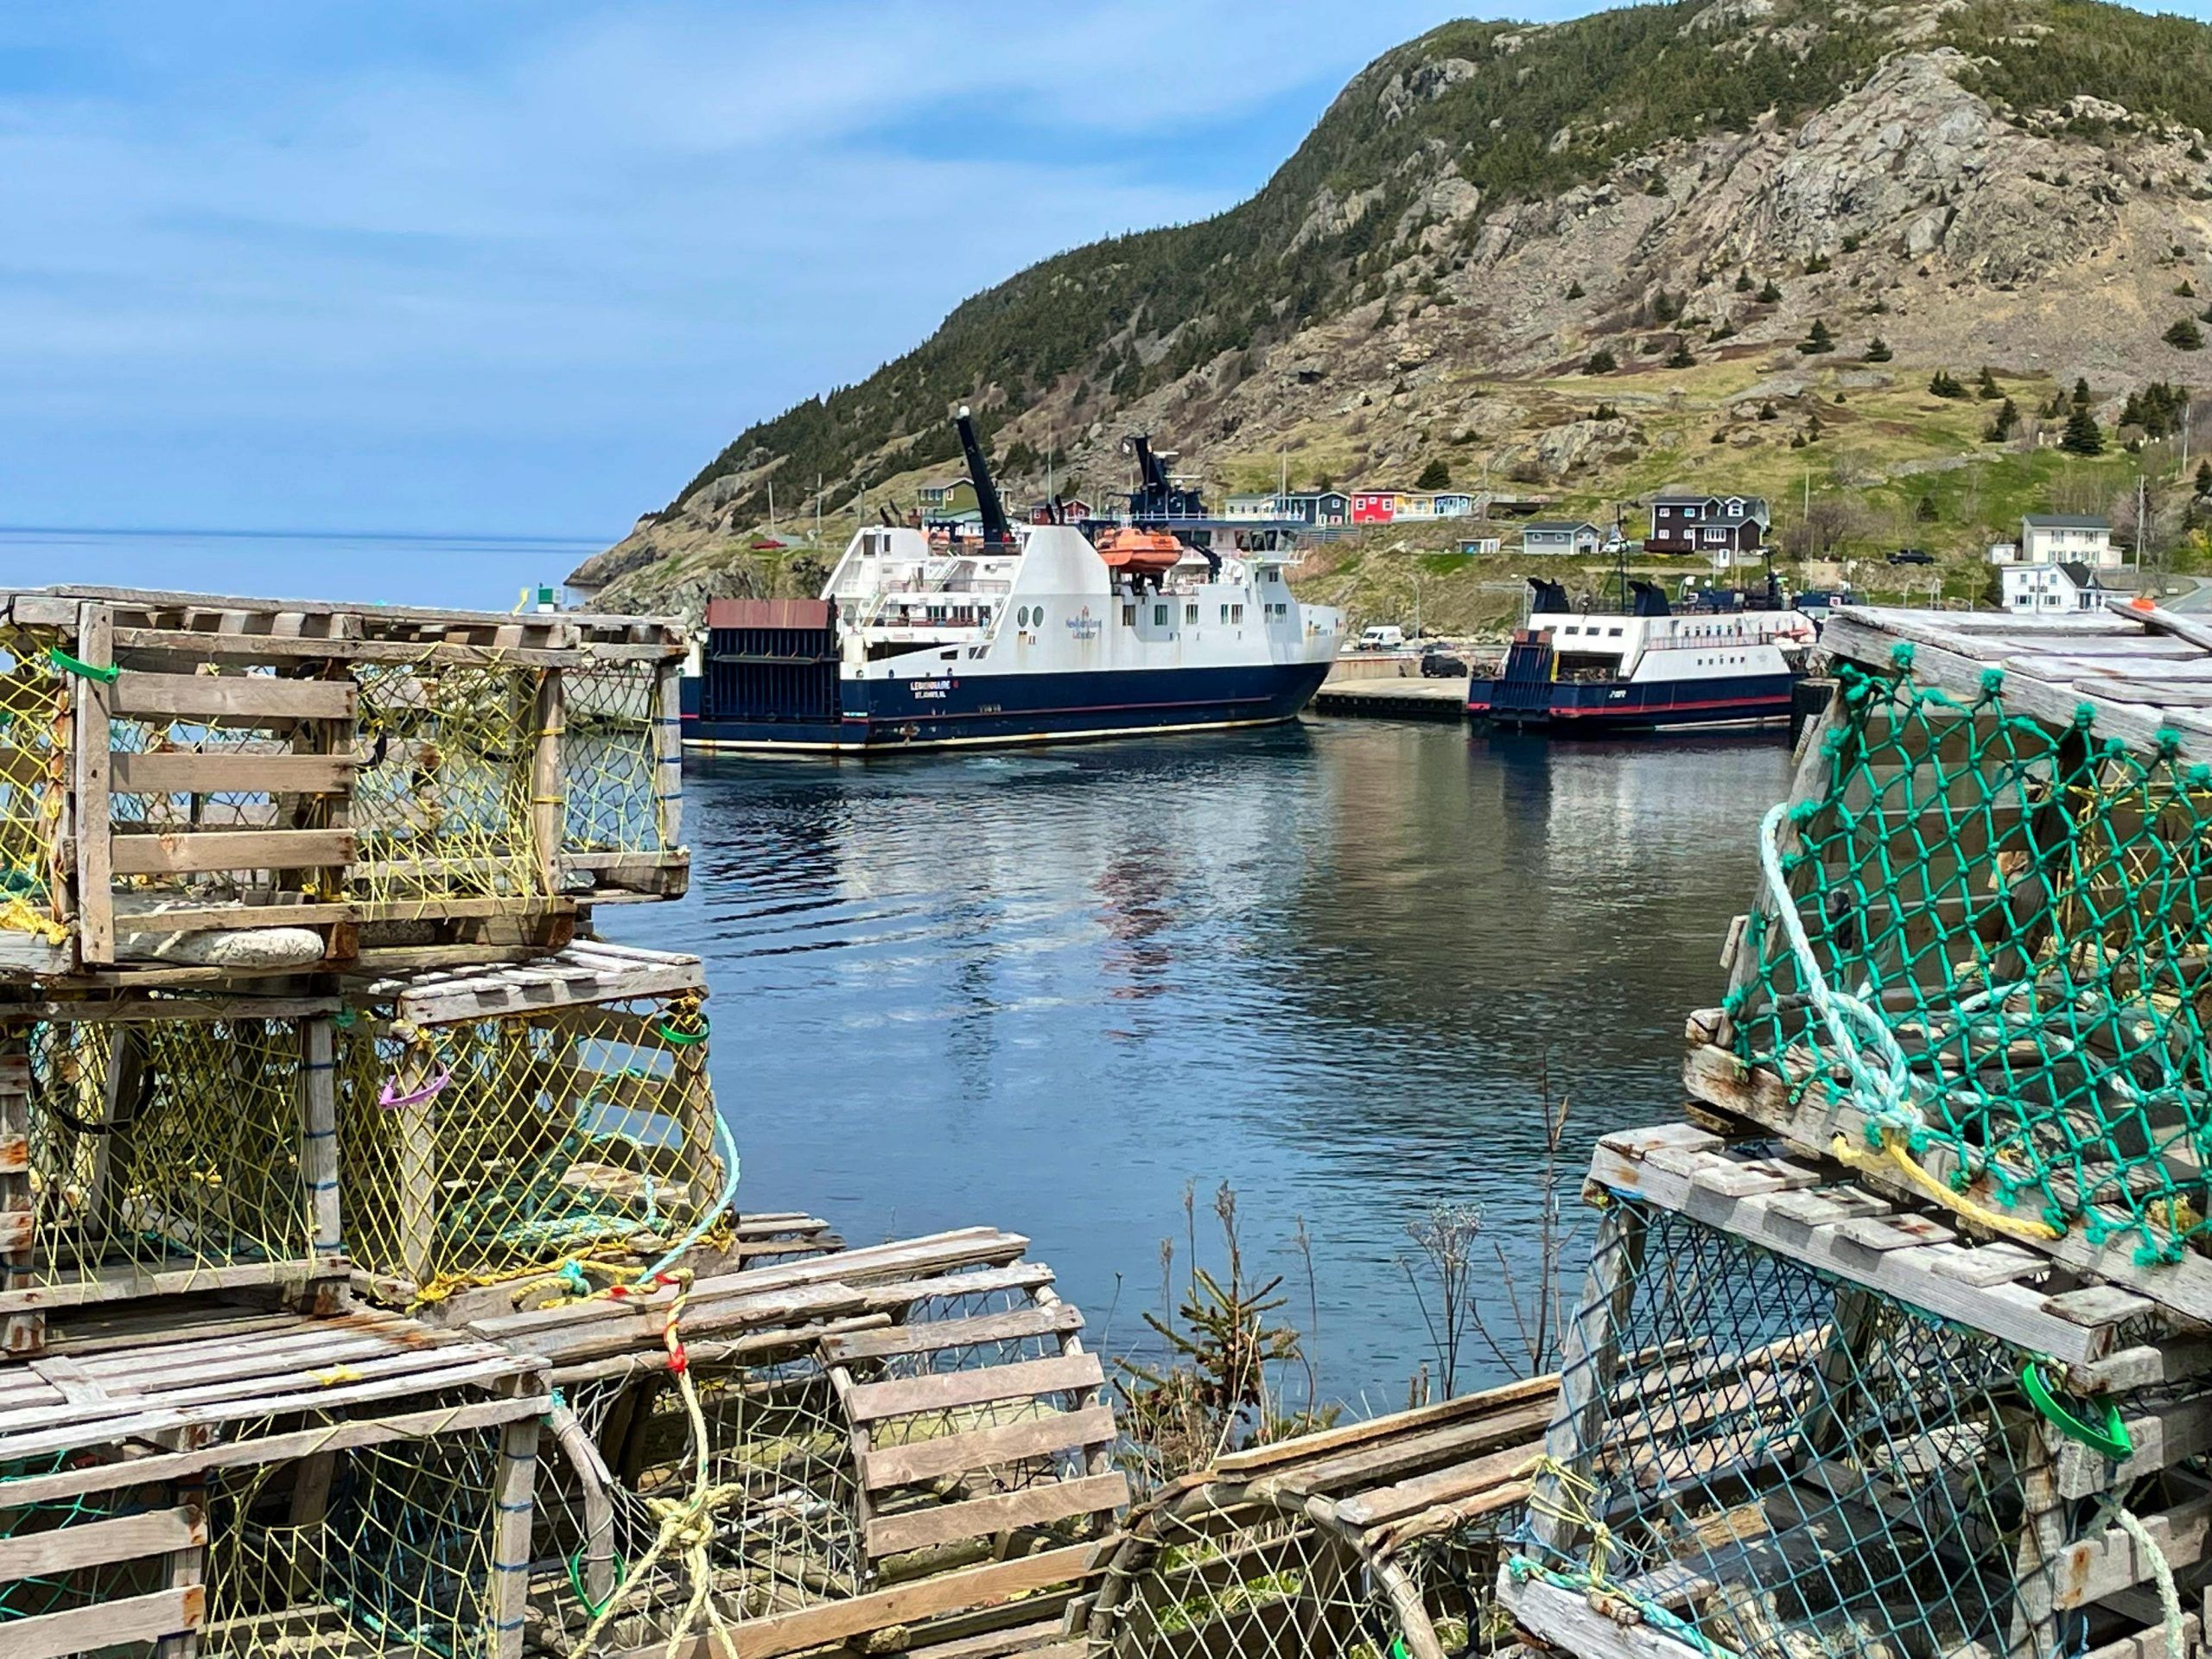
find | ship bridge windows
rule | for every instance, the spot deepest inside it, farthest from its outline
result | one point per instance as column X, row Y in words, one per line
column 1159, row 616
column 1128, row 616
column 1190, row 615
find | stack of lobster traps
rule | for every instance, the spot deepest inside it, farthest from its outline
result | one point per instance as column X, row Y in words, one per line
column 370, row 1276
column 1902, row 1344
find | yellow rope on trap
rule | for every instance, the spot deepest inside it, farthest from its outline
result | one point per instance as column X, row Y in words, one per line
column 687, row 1524
column 33, row 726
column 1895, row 1152
column 1570, row 1503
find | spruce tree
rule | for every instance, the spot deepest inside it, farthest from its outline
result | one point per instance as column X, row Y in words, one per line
column 2184, row 336
column 1769, row 294
column 2083, row 435
column 1435, row 476
column 1817, row 340
column 2204, row 478
column 1878, row 350
column 2006, row 422
column 1987, row 388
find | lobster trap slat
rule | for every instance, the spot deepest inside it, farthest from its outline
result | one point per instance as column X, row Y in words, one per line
column 802, row 1475
column 260, row 786
column 152, row 1143
column 198, row 1479
column 504, row 1121
column 1769, row 1445
column 1983, row 941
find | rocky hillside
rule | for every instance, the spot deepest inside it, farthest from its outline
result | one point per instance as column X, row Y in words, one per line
column 1584, row 258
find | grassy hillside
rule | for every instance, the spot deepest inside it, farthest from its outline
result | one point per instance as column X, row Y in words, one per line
column 1521, row 112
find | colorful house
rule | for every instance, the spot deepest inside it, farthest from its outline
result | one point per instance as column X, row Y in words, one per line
column 1374, row 506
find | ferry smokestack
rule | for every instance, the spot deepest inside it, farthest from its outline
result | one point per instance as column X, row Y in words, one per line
column 995, row 531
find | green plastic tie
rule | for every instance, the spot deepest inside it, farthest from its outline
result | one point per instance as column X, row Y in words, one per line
column 668, row 1033
column 2110, row 1441
column 84, row 671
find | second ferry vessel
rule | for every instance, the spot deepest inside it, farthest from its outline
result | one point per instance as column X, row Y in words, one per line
column 1165, row 621
column 1643, row 668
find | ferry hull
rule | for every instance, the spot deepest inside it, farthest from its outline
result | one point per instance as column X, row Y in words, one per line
column 879, row 716
column 1610, row 705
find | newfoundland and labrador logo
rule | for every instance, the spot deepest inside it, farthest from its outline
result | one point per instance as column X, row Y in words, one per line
column 1084, row 626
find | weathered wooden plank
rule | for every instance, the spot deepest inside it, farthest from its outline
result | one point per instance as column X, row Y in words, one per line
column 1033, row 1506
column 822, row 1626
column 986, row 1448
column 934, row 1336
column 194, row 644
column 92, row 827
column 188, row 772
column 244, row 850
column 1567, row 1622
column 106, row 1625
column 2109, row 1561
column 949, row 1391
column 97, row 1543
column 233, row 695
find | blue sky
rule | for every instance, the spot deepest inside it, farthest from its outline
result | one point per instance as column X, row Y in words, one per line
column 519, row 266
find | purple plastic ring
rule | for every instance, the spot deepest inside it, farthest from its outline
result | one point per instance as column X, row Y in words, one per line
column 430, row 1090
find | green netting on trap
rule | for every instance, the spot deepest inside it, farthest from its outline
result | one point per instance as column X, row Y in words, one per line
column 164, row 1145
column 1776, row 1463
column 2004, row 954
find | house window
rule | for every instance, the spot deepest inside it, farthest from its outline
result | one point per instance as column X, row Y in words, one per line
column 1128, row 616
column 1190, row 615
column 1690, row 512
column 1159, row 616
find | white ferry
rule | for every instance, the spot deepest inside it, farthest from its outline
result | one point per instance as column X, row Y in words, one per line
column 1164, row 621
column 1643, row 668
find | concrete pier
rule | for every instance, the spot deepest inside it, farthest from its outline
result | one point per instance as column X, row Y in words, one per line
column 1402, row 699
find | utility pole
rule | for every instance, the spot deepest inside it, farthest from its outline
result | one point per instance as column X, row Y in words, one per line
column 772, row 506
column 817, row 509
column 2140, row 496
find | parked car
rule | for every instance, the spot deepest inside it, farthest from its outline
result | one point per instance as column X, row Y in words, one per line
column 1912, row 556
column 1384, row 638
column 1439, row 661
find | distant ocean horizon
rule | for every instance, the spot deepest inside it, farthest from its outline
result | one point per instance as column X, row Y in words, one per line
column 472, row 568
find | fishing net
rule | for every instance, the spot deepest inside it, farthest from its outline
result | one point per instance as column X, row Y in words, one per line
column 478, row 1150
column 441, row 794
column 1782, row 1464
column 1994, row 945
column 647, row 1527
column 1252, row 1574
column 382, row 1550
column 609, row 758
column 34, row 739
column 164, row 1145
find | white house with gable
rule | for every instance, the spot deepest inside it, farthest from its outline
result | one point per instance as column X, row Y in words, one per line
column 2056, row 537
column 2051, row 589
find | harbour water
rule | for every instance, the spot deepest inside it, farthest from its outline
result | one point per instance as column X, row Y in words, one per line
column 1332, row 962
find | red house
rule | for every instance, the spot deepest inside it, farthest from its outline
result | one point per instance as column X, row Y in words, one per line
column 1374, row 506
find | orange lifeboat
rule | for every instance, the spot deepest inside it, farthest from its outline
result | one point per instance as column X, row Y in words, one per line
column 1140, row 552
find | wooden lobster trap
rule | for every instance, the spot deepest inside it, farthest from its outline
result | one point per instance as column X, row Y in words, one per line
column 1978, row 952
column 1797, row 1421
column 903, row 1437
column 1379, row 1538
column 504, row 1121
column 153, row 1143
column 207, row 1480
column 247, row 785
